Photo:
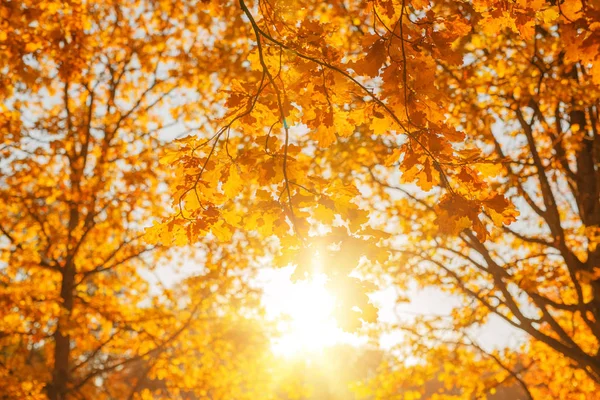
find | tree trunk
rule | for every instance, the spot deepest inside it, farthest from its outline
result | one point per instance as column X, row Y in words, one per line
column 60, row 374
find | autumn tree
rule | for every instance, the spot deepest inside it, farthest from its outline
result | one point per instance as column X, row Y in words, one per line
column 453, row 144
column 459, row 138
column 526, row 94
column 90, row 91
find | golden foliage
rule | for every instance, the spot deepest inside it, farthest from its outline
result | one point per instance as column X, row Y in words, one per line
column 439, row 143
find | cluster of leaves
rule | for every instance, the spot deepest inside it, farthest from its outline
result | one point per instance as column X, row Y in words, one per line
column 270, row 164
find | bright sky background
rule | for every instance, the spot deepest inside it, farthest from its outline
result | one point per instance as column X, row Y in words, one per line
column 306, row 311
column 312, row 325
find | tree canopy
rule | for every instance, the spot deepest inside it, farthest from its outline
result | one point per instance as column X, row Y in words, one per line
column 437, row 144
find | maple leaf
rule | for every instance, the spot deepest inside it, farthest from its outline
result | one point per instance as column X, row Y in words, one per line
column 374, row 58
column 234, row 182
column 325, row 135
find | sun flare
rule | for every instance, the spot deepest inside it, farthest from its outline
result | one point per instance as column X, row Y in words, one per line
column 306, row 310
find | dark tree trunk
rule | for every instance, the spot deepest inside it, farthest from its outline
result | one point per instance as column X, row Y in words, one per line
column 60, row 375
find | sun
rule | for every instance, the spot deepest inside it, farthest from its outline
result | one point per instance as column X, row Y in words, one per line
column 310, row 324
column 305, row 310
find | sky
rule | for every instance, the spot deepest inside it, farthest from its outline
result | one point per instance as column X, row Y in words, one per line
column 305, row 311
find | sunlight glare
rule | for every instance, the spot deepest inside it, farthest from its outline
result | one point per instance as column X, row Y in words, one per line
column 307, row 322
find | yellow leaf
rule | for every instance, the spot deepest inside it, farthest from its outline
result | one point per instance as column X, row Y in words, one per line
column 222, row 231
column 549, row 15
column 234, row 183
column 325, row 135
